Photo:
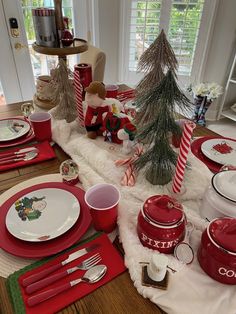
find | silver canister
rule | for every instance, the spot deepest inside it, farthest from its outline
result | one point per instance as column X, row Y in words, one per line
column 45, row 27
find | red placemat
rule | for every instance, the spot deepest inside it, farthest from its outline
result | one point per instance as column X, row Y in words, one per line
column 196, row 150
column 41, row 249
column 46, row 152
column 110, row 257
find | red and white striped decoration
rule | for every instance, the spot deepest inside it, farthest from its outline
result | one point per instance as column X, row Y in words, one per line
column 129, row 177
column 183, row 154
column 78, row 95
column 43, row 12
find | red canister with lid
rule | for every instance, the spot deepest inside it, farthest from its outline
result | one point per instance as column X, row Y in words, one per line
column 161, row 223
column 217, row 251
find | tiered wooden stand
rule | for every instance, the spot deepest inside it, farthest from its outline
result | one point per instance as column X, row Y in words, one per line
column 78, row 46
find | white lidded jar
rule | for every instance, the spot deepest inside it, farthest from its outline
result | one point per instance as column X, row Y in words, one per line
column 219, row 199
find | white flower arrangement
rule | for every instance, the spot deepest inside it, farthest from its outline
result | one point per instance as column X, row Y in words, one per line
column 209, row 90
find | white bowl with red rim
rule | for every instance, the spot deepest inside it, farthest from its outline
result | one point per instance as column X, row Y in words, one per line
column 219, row 199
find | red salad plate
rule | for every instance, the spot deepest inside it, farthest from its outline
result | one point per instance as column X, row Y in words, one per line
column 27, row 249
column 21, row 140
column 196, row 150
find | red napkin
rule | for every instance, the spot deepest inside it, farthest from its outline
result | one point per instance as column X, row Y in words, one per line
column 110, row 257
column 45, row 152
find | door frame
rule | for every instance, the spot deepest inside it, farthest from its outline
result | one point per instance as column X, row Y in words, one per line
column 23, row 75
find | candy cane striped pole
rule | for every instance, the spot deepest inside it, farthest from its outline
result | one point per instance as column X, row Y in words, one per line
column 183, row 154
column 78, row 95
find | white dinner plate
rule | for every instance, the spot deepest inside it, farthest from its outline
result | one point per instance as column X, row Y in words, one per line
column 11, row 129
column 211, row 149
column 42, row 214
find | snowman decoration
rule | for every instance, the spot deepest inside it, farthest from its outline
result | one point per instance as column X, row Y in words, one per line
column 127, row 135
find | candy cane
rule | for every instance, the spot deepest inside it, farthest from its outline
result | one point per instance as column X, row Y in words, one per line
column 183, row 154
column 129, row 177
column 78, row 95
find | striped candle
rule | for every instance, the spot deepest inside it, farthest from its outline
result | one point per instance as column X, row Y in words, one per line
column 183, row 154
column 78, row 95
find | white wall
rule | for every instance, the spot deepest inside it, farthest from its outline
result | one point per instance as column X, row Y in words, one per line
column 222, row 48
column 109, row 36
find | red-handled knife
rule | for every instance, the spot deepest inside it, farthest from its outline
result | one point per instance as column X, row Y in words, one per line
column 43, row 273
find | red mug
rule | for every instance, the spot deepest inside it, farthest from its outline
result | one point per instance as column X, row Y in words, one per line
column 103, row 199
column 112, row 91
column 41, row 123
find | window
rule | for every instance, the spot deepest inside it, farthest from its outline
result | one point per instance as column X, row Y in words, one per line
column 183, row 22
column 42, row 64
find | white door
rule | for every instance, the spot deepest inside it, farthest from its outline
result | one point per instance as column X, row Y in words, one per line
column 15, row 67
column 19, row 64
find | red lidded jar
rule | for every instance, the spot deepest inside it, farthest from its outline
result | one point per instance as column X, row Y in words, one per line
column 161, row 223
column 217, row 251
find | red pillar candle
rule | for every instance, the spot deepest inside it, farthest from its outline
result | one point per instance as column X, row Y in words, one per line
column 78, row 95
column 183, row 154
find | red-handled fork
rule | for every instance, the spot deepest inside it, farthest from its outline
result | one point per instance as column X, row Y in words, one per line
column 85, row 265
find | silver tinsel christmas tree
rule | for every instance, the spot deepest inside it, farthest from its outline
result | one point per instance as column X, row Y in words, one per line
column 156, row 101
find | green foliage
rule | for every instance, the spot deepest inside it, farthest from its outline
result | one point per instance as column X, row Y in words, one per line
column 158, row 162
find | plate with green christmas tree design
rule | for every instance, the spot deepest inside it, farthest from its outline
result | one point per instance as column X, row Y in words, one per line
column 42, row 214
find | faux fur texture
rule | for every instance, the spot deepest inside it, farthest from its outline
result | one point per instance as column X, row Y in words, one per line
column 189, row 286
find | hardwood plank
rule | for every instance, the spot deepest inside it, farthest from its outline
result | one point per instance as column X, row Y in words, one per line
column 110, row 299
column 5, row 304
column 6, row 175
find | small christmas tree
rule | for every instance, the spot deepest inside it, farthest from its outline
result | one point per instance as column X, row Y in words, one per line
column 154, row 62
column 64, row 95
column 156, row 104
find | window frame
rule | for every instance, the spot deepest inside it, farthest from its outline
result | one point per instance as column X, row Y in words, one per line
column 201, row 50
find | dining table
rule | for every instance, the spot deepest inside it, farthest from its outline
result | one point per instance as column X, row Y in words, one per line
column 116, row 296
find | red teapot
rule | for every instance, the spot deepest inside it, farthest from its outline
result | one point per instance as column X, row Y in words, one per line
column 161, row 223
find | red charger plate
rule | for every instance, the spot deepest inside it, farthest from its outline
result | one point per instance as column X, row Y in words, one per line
column 196, row 150
column 21, row 140
column 37, row 250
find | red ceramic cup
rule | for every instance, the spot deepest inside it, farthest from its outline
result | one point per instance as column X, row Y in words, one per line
column 103, row 199
column 112, row 91
column 41, row 123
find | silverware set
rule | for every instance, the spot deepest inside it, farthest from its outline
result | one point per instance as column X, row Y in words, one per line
column 40, row 280
column 22, row 154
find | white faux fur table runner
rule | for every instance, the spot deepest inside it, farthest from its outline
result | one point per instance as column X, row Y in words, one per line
column 190, row 290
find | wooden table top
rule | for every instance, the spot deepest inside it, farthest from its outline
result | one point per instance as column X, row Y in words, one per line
column 119, row 295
